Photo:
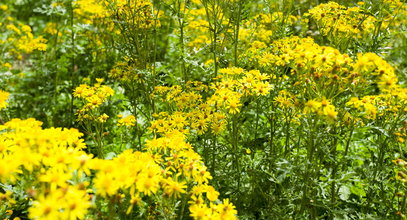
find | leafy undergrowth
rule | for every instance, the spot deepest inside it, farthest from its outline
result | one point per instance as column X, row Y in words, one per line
column 203, row 109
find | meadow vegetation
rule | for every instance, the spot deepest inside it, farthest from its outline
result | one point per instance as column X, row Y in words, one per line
column 203, row 109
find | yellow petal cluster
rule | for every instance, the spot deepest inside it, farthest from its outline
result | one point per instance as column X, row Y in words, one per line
column 92, row 97
column 64, row 182
column 3, row 99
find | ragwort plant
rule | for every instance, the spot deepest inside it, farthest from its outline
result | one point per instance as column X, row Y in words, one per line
column 48, row 171
column 209, row 109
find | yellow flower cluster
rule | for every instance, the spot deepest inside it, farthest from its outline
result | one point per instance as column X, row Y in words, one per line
column 24, row 39
column 93, row 8
column 182, row 99
column 140, row 13
column 197, row 27
column 183, row 165
column 193, row 112
column 394, row 14
column 373, row 67
column 305, row 58
column 320, row 67
column 372, row 106
column 19, row 39
column 4, row 7
column 303, row 55
column 323, row 107
column 133, row 172
column 56, row 174
column 47, row 161
column 226, row 211
column 92, row 97
column 236, row 83
column 51, row 28
column 391, row 99
column 128, row 121
column 323, row 66
column 286, row 100
column 126, row 73
column 341, row 22
column 265, row 25
column 71, row 202
column 232, row 85
column 3, row 99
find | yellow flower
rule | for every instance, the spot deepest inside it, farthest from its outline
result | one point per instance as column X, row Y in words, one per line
column 227, row 210
column 233, row 106
column 174, row 188
column 105, row 185
column 261, row 89
column 200, row 211
column 148, row 185
column 128, row 121
column 3, row 7
column 201, row 175
column 330, row 112
column 103, row 118
column 211, row 193
column 135, row 200
column 8, row 65
column 92, row 97
column 341, row 22
column 3, row 99
column 312, row 106
column 231, row 71
column 55, row 177
column 46, row 207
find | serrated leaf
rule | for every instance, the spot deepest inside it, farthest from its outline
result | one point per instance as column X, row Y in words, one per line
column 344, row 193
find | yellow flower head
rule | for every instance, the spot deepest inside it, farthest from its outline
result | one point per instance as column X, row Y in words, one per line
column 312, row 106
column 127, row 121
column 3, row 99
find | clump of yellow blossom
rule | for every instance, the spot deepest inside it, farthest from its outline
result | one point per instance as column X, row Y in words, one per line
column 55, row 158
column 194, row 113
column 126, row 73
column 92, row 97
column 323, row 107
column 3, row 99
column 24, row 40
column 341, row 22
column 128, row 121
column 236, row 83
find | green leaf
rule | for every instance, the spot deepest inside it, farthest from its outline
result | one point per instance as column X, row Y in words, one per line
column 344, row 193
column 358, row 190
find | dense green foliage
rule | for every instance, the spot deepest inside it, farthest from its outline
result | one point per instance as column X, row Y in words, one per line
column 291, row 109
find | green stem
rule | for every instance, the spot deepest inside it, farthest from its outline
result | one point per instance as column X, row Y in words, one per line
column 72, row 65
column 213, row 167
column 181, row 24
column 287, row 132
column 235, row 149
column 237, row 29
column 211, row 15
column 271, row 120
column 334, row 170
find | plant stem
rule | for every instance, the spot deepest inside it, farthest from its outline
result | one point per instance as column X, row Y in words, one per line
column 72, row 65
column 236, row 34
